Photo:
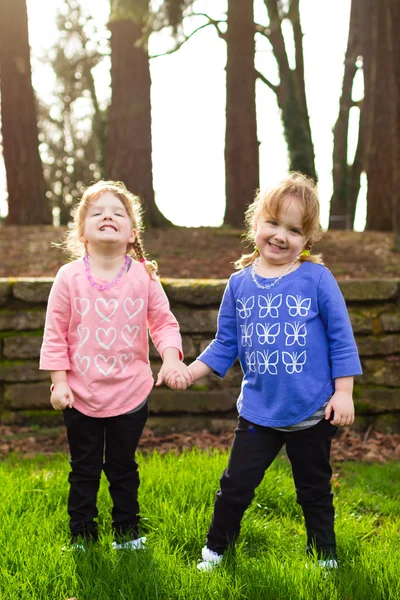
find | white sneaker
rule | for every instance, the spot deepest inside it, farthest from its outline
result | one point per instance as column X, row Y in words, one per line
column 74, row 548
column 138, row 544
column 330, row 563
column 210, row 560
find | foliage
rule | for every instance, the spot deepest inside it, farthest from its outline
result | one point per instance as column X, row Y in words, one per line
column 176, row 497
column 72, row 127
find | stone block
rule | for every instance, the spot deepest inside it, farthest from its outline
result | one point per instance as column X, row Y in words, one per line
column 199, row 321
column 32, row 290
column 362, row 290
column 378, row 345
column 380, row 372
column 391, row 321
column 18, row 371
column 5, row 291
column 24, row 346
column 196, row 292
column 361, row 320
column 23, row 396
column 370, row 400
column 164, row 400
column 189, row 349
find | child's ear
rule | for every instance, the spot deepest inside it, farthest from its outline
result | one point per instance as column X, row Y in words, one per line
column 133, row 236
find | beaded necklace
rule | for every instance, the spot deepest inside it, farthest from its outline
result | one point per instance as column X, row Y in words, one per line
column 267, row 286
column 111, row 283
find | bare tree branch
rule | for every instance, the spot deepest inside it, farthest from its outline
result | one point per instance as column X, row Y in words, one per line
column 268, row 83
column 179, row 45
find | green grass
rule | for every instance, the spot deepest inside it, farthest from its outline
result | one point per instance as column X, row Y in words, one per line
column 176, row 498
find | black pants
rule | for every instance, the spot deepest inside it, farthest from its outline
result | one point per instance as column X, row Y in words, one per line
column 110, row 444
column 253, row 450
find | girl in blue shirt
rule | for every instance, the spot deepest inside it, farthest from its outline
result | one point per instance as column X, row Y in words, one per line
column 283, row 316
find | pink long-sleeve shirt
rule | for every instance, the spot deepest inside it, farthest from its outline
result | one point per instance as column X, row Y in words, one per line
column 100, row 338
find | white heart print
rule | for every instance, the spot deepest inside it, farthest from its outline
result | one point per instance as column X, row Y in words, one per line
column 133, row 307
column 82, row 363
column 82, row 306
column 125, row 360
column 106, row 337
column 127, row 335
column 102, row 363
column 107, row 312
column 83, row 333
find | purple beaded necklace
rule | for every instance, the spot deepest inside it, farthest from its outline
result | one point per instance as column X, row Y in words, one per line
column 111, row 283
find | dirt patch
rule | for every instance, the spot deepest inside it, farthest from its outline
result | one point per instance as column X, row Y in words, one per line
column 370, row 446
column 200, row 253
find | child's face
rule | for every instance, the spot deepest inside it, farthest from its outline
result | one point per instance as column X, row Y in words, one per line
column 279, row 240
column 107, row 224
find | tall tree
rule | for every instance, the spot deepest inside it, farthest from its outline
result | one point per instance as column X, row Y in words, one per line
column 381, row 136
column 27, row 202
column 346, row 177
column 73, row 126
column 241, row 144
column 290, row 92
column 129, row 145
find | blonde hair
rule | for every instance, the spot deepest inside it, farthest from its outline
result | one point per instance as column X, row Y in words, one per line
column 272, row 202
column 72, row 243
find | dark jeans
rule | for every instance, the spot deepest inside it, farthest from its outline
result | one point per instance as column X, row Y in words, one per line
column 107, row 444
column 253, row 450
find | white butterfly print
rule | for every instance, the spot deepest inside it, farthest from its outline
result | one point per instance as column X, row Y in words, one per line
column 295, row 334
column 105, row 365
column 246, row 307
column 82, row 363
column 269, row 305
column 294, row 363
column 106, row 337
column 267, row 333
column 109, row 309
column 82, row 306
column 133, row 307
column 247, row 332
column 125, row 360
column 83, row 333
column 297, row 306
column 267, row 362
column 251, row 361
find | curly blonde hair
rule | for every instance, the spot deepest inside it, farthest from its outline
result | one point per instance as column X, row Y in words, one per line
column 272, row 202
column 72, row 243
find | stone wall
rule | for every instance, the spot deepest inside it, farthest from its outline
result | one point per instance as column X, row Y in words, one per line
column 374, row 308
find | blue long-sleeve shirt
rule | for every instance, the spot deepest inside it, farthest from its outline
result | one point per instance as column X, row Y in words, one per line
column 292, row 341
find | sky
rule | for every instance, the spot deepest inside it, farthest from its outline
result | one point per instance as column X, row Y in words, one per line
column 188, row 104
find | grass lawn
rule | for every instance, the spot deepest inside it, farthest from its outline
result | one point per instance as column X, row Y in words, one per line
column 176, row 498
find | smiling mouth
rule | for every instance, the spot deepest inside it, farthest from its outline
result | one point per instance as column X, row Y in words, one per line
column 275, row 246
column 110, row 227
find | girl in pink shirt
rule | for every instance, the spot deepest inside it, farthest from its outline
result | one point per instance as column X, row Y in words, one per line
column 95, row 345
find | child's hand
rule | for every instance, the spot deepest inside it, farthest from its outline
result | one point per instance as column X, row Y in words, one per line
column 342, row 405
column 175, row 374
column 61, row 396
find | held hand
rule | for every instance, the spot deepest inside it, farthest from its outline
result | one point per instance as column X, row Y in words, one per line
column 175, row 374
column 342, row 405
column 61, row 396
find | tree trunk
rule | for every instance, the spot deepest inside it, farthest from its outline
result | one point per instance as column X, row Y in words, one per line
column 395, row 39
column 129, row 145
column 27, row 202
column 380, row 135
column 290, row 92
column 345, row 175
column 241, row 144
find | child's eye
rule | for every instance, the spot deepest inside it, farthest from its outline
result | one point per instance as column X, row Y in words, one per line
column 294, row 230
column 272, row 222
